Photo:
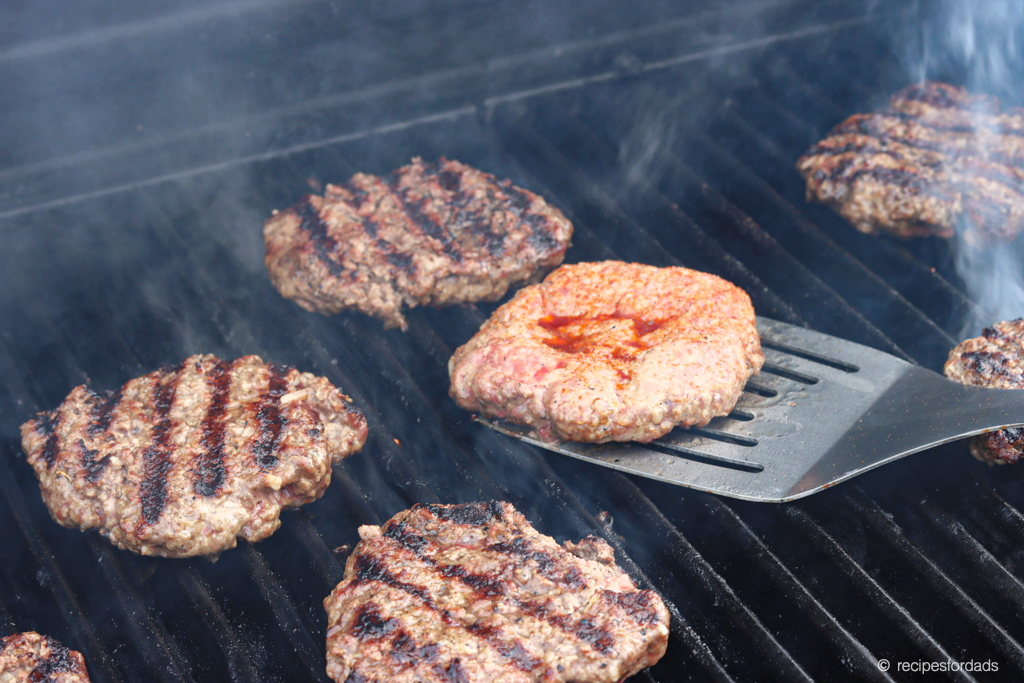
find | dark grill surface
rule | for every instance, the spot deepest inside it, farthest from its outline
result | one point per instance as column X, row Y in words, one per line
column 665, row 143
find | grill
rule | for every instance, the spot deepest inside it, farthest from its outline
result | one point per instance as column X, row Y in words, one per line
column 668, row 139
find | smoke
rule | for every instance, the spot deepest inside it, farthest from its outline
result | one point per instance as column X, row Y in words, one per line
column 978, row 45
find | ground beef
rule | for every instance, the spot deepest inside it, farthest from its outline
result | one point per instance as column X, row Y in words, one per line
column 427, row 234
column 183, row 460
column 938, row 158
column 472, row 593
column 611, row 352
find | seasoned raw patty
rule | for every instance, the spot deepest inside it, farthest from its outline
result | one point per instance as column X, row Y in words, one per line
column 996, row 360
column 32, row 658
column 937, row 158
column 472, row 593
column 182, row 461
column 435, row 234
column 611, row 352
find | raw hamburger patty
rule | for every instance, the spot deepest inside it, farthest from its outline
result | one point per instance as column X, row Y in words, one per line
column 938, row 157
column 181, row 461
column 611, row 352
column 436, row 234
column 32, row 658
column 472, row 593
column 996, row 360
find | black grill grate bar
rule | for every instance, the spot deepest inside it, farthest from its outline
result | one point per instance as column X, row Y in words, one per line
column 749, row 282
column 969, row 549
column 876, row 595
column 700, row 570
column 1002, row 515
column 417, row 403
column 788, row 264
column 326, row 562
column 154, row 640
column 864, row 661
column 85, row 636
column 404, row 477
column 6, row 621
column 285, row 614
column 240, row 666
column 817, row 241
column 872, row 514
column 899, row 259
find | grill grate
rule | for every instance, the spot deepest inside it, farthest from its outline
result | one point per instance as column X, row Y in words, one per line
column 920, row 560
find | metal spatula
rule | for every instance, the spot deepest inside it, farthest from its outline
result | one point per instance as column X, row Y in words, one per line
column 821, row 411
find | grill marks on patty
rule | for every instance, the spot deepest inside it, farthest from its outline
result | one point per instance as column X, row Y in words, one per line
column 269, row 419
column 427, row 233
column 474, row 590
column 939, row 158
column 519, row 550
column 203, row 444
column 209, row 471
column 156, row 462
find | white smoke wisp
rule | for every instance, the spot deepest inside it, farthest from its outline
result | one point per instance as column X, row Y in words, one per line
column 994, row 280
column 979, row 44
column 647, row 147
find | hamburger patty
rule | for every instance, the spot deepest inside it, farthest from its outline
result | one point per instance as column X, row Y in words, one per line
column 995, row 360
column 939, row 157
column 472, row 593
column 436, row 234
column 611, row 352
column 182, row 461
column 32, row 658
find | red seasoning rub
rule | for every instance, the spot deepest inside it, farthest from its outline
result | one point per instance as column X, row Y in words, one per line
column 427, row 234
column 611, row 352
column 939, row 156
column 32, row 658
column 472, row 593
column 995, row 360
column 182, row 461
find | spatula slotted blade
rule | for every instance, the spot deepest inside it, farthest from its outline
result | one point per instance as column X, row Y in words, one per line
column 821, row 411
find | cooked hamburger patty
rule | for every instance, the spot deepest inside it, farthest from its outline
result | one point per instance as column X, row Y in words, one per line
column 611, row 352
column 436, row 234
column 938, row 157
column 472, row 593
column 996, row 360
column 32, row 658
column 181, row 461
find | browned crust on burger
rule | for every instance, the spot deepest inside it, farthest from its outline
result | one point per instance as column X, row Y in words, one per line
column 473, row 593
column 182, row 461
column 33, row 658
column 994, row 360
column 611, row 351
column 939, row 157
column 428, row 234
